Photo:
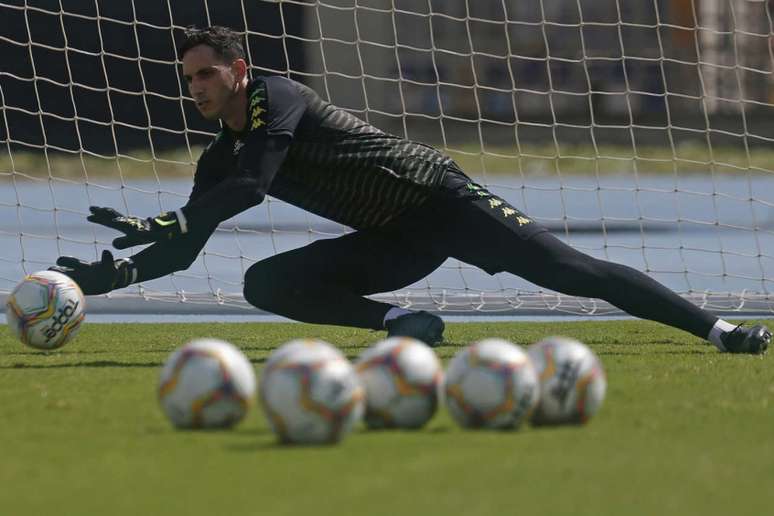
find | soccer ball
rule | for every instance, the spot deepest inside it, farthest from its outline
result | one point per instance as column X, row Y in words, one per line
column 207, row 383
column 572, row 381
column 302, row 345
column 310, row 393
column 402, row 378
column 491, row 384
column 45, row 310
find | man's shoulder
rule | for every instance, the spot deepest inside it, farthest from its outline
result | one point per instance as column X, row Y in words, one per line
column 275, row 80
column 279, row 87
column 263, row 84
column 276, row 104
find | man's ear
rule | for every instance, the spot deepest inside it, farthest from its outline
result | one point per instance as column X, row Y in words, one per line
column 239, row 69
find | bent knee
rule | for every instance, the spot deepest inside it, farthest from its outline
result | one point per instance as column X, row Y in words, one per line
column 261, row 287
column 270, row 285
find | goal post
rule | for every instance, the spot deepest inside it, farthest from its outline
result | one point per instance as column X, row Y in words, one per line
column 638, row 132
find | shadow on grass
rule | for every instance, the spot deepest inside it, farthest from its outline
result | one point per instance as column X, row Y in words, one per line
column 651, row 352
column 375, row 432
column 104, row 363
column 98, row 363
column 251, row 432
column 67, row 353
column 274, row 444
column 263, row 360
column 238, row 431
column 267, row 348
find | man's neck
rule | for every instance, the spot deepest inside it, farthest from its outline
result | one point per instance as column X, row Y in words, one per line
column 236, row 116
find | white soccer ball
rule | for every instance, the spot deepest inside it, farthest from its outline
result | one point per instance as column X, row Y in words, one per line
column 45, row 310
column 402, row 378
column 491, row 384
column 572, row 381
column 310, row 393
column 320, row 347
column 207, row 383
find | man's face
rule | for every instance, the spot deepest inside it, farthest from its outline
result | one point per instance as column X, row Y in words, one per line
column 211, row 82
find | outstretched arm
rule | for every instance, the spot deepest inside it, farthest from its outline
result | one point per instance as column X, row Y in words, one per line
column 178, row 236
column 152, row 262
column 259, row 162
column 275, row 108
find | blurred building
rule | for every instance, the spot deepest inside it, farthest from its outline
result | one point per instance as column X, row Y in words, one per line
column 655, row 63
column 102, row 75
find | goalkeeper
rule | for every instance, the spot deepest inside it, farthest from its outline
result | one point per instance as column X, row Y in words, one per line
column 411, row 208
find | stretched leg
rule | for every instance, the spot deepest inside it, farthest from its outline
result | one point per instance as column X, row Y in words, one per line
column 553, row 264
column 324, row 282
column 500, row 238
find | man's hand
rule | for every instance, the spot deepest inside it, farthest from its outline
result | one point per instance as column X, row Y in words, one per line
column 97, row 277
column 139, row 231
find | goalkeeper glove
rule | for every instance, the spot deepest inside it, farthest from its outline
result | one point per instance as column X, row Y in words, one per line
column 97, row 277
column 139, row 231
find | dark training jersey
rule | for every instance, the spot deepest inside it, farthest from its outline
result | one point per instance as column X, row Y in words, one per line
column 335, row 165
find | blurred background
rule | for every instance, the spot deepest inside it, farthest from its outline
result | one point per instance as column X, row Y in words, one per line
column 694, row 66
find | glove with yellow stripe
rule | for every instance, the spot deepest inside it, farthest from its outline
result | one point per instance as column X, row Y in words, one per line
column 98, row 277
column 138, row 231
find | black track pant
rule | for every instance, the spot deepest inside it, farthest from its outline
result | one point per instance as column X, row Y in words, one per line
column 325, row 282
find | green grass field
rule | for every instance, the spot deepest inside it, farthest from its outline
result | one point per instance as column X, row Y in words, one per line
column 684, row 430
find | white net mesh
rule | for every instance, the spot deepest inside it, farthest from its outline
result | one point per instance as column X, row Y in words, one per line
column 639, row 132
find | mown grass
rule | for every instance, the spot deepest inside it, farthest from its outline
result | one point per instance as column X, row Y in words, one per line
column 684, row 430
column 529, row 160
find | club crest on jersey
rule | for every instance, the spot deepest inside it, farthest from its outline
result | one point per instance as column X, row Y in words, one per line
column 257, row 106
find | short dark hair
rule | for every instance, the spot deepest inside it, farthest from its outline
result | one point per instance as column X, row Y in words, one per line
column 225, row 42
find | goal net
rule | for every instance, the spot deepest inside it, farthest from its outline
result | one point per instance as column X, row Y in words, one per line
column 638, row 132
